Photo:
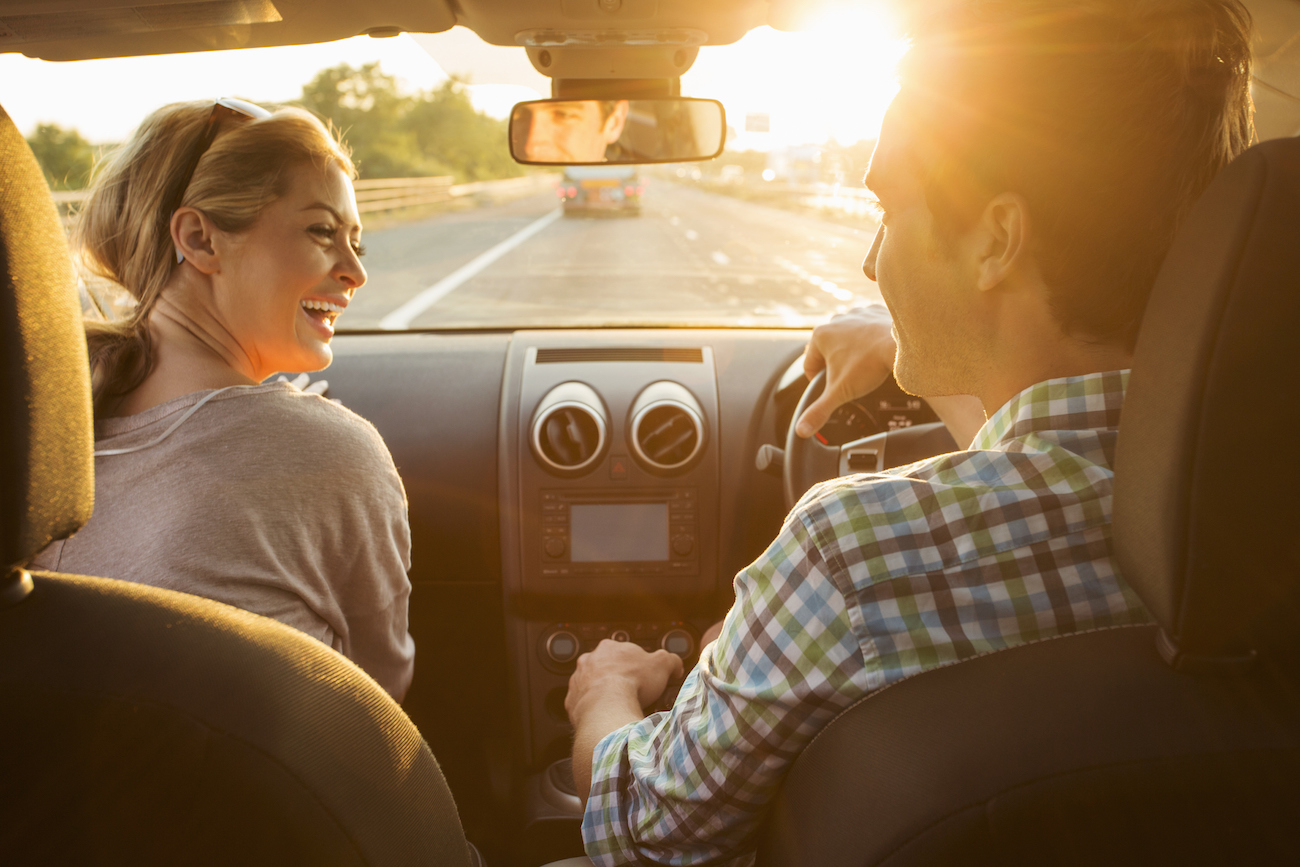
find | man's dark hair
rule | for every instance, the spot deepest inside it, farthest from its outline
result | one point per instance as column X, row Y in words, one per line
column 1109, row 117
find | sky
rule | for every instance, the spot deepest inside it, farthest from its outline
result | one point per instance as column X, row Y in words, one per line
column 833, row 80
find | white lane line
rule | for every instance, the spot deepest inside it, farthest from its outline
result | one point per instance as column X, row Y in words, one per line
column 400, row 319
column 692, row 235
column 720, row 257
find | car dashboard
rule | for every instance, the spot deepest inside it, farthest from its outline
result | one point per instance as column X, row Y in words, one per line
column 566, row 486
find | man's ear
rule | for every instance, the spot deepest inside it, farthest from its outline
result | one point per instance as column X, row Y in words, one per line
column 613, row 128
column 192, row 236
column 1004, row 243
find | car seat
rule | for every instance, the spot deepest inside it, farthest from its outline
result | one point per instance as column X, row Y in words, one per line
column 144, row 726
column 1171, row 743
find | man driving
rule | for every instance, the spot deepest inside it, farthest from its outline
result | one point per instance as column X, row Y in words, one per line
column 573, row 131
column 1032, row 171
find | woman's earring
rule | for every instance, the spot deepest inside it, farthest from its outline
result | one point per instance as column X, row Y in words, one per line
column 180, row 257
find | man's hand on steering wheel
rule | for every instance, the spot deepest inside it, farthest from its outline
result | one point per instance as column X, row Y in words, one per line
column 856, row 349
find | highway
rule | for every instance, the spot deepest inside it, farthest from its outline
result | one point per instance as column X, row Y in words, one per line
column 692, row 258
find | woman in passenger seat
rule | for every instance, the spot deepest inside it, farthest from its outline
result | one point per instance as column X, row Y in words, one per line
column 236, row 231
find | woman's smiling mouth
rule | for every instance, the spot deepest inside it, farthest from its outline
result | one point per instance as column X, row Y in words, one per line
column 322, row 313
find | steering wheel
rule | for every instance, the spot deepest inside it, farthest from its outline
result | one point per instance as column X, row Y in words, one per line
column 809, row 461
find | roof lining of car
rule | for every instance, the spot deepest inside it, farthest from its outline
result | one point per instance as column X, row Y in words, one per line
column 85, row 29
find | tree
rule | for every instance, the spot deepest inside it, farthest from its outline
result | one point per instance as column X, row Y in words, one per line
column 392, row 134
column 452, row 131
column 65, row 157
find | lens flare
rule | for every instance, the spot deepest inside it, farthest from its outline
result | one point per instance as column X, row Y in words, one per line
column 832, row 80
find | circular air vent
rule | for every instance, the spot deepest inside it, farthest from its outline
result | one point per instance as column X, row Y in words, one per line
column 569, row 436
column 667, row 429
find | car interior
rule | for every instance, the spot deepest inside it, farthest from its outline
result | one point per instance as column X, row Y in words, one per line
column 570, row 484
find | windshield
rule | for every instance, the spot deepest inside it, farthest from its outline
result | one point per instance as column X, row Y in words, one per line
column 770, row 234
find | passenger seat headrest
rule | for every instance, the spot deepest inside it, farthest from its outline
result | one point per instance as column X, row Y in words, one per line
column 1207, row 480
column 46, row 425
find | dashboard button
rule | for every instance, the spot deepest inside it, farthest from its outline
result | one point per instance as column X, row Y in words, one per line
column 562, row 646
column 683, row 545
column 678, row 641
column 555, row 547
column 620, row 635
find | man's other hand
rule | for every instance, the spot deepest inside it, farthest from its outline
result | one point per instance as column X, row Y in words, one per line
column 856, row 349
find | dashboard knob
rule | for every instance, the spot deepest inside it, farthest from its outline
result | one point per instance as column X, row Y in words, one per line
column 563, row 646
column 555, row 547
column 683, row 545
column 678, row 641
column 620, row 635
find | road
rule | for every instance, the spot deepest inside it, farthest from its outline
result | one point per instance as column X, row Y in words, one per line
column 691, row 258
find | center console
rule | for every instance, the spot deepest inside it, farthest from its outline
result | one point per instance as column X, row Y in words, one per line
column 609, row 464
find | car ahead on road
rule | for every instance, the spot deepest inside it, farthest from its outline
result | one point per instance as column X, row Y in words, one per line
column 601, row 189
column 536, row 379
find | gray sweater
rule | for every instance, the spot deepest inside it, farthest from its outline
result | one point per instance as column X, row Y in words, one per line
column 268, row 499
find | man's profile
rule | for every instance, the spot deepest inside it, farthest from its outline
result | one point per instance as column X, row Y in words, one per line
column 1033, row 170
column 571, row 131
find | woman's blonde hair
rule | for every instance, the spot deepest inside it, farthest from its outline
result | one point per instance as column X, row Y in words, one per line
column 123, row 232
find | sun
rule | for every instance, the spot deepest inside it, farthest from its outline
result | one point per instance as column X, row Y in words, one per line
column 833, row 79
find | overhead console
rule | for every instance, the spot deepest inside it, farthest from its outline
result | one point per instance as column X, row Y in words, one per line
column 609, row 464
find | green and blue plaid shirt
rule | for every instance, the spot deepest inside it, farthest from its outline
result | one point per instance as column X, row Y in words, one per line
column 872, row 579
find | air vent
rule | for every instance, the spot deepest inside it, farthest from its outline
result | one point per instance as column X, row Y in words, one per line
column 687, row 355
column 570, row 430
column 667, row 430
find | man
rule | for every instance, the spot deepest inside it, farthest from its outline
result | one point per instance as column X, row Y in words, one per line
column 1033, row 170
column 571, row 131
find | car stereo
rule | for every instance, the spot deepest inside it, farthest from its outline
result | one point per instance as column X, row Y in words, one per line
column 618, row 532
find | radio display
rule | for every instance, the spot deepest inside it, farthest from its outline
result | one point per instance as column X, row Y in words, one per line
column 618, row 532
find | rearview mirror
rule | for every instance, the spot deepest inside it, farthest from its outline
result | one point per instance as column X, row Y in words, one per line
column 572, row 132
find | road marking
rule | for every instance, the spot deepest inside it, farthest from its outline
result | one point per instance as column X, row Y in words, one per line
column 400, row 319
column 824, row 285
column 720, row 257
column 692, row 235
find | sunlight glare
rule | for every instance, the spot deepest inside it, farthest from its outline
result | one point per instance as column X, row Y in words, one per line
column 833, row 80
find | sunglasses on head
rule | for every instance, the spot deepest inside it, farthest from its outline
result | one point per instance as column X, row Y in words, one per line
column 223, row 109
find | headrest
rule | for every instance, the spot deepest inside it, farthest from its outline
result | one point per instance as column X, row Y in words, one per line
column 46, row 429
column 1207, row 480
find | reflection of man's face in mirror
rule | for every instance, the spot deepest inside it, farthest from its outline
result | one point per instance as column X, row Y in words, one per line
column 572, row 132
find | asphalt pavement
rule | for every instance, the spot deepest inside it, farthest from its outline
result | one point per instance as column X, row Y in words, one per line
column 691, row 258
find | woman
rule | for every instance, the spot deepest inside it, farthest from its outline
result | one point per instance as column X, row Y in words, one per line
column 236, row 231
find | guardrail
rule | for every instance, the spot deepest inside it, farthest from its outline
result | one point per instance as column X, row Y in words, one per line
column 378, row 195
column 390, row 194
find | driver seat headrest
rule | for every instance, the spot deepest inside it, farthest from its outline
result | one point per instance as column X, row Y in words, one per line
column 1207, row 489
column 46, row 424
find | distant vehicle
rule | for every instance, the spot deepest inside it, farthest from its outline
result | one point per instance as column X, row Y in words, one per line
column 614, row 189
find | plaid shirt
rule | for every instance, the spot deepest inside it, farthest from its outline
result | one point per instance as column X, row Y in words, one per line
column 872, row 579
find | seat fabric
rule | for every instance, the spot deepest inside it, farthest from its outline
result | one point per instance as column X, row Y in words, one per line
column 1085, row 749
column 1175, row 743
column 180, row 730
column 1207, row 517
column 46, row 483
